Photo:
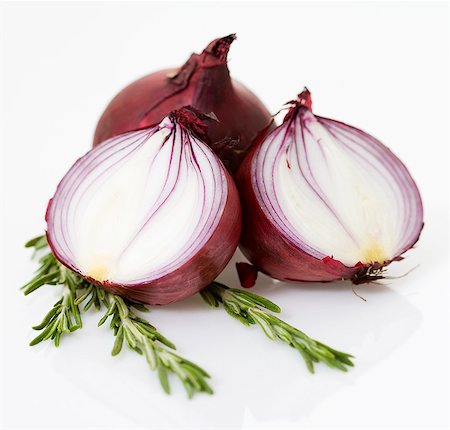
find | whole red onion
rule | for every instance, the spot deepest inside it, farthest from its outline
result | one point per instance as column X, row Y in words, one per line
column 324, row 201
column 151, row 215
column 203, row 82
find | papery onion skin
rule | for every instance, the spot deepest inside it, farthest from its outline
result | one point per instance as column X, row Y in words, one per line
column 201, row 268
column 203, row 82
column 247, row 273
column 273, row 253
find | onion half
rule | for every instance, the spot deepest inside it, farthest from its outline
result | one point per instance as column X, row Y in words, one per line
column 151, row 215
column 324, row 201
column 203, row 82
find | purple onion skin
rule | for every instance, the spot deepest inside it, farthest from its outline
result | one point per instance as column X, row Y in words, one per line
column 273, row 254
column 193, row 275
column 202, row 82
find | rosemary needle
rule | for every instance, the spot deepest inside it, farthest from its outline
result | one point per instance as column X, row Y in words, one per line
column 249, row 308
column 138, row 333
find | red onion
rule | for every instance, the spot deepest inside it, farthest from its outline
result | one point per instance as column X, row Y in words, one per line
column 323, row 201
column 151, row 215
column 203, row 82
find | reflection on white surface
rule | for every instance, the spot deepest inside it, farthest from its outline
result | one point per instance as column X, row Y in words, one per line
column 330, row 313
column 263, row 383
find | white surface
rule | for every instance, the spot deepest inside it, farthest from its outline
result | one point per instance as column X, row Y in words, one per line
column 382, row 67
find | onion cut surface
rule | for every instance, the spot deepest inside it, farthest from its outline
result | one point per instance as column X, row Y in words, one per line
column 151, row 214
column 203, row 82
column 323, row 200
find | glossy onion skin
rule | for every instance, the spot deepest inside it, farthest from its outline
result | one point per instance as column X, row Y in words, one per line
column 271, row 252
column 201, row 269
column 202, row 82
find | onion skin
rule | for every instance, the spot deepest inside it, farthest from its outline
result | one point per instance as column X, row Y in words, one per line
column 202, row 268
column 273, row 253
column 247, row 274
column 202, row 82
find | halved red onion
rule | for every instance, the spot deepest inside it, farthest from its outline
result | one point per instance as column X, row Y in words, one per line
column 323, row 200
column 151, row 215
column 203, row 82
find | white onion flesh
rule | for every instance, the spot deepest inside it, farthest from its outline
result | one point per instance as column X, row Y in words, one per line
column 336, row 191
column 138, row 206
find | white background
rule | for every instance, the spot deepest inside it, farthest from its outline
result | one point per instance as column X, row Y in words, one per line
column 383, row 67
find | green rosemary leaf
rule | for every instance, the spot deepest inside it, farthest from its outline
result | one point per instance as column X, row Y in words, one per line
column 263, row 323
column 283, row 334
column 89, row 303
column 191, row 377
column 145, row 330
column 118, row 342
column 138, row 350
column 165, row 341
column 206, row 387
column 110, row 311
column 149, row 352
column 59, row 319
column 143, row 322
column 57, row 338
column 233, row 307
column 50, row 315
column 64, row 323
column 150, row 331
column 39, row 281
column 128, row 327
column 122, row 307
column 231, row 312
column 209, row 298
column 48, row 330
column 114, row 320
column 64, row 317
column 189, row 388
column 129, row 337
column 249, row 308
column 194, row 372
column 199, row 370
column 138, row 307
column 145, row 339
column 261, row 301
column 342, row 355
column 81, row 298
column 163, row 379
column 36, row 241
column 307, row 358
column 75, row 311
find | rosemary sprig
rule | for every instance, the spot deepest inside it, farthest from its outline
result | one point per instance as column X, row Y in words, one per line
column 138, row 333
column 249, row 308
column 65, row 316
column 145, row 339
